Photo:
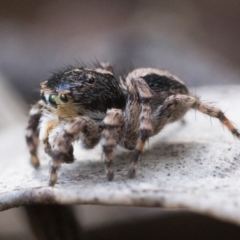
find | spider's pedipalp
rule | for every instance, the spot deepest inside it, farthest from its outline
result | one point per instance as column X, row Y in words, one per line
column 82, row 128
column 111, row 134
column 32, row 132
column 61, row 151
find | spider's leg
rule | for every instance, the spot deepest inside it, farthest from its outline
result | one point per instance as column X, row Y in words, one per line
column 175, row 106
column 216, row 113
column 113, row 125
column 140, row 93
column 61, row 144
column 32, row 132
column 46, row 127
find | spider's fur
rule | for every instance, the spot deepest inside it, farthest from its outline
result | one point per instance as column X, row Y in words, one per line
column 90, row 104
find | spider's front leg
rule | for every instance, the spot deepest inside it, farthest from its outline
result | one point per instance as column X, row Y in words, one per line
column 32, row 132
column 140, row 98
column 112, row 133
column 62, row 149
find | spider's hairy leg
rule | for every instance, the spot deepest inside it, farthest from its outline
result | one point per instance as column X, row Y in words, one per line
column 32, row 132
column 141, row 93
column 217, row 113
column 175, row 106
column 49, row 125
column 62, row 149
column 113, row 126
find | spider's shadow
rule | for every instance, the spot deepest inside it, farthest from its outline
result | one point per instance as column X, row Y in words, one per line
column 158, row 159
column 154, row 157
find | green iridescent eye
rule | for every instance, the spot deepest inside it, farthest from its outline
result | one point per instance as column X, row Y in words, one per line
column 43, row 98
column 52, row 101
column 63, row 98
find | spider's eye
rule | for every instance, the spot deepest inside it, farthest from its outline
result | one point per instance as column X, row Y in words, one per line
column 43, row 98
column 63, row 98
column 52, row 101
column 90, row 80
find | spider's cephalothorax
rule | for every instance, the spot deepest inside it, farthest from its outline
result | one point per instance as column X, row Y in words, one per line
column 82, row 91
column 91, row 105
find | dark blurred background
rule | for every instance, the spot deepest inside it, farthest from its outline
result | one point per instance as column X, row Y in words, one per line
column 198, row 40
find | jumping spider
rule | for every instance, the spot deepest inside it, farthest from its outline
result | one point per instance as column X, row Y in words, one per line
column 91, row 105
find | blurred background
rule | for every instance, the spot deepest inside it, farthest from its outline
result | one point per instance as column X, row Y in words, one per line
column 198, row 40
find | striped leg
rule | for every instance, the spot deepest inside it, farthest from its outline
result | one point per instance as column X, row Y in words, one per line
column 32, row 132
column 176, row 105
column 140, row 90
column 62, row 149
column 113, row 125
column 217, row 113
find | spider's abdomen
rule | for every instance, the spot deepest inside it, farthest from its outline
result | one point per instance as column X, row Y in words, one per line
column 165, row 84
column 162, row 83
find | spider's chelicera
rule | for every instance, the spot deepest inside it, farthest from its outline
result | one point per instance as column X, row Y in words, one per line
column 91, row 105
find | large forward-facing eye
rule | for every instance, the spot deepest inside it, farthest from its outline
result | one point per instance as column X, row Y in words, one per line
column 63, row 98
column 43, row 98
column 52, row 101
